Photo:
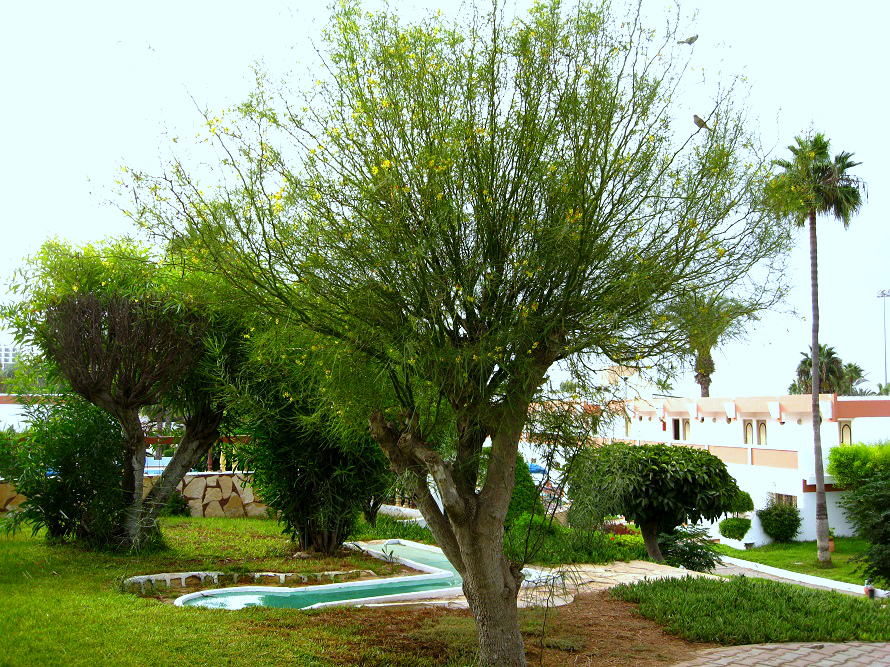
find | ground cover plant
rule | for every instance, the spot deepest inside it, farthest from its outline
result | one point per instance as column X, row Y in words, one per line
column 800, row 557
column 744, row 610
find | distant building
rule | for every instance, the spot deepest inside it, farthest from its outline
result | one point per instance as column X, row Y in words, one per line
column 766, row 443
column 9, row 355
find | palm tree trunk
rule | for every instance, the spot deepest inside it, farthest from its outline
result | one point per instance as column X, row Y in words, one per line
column 821, row 504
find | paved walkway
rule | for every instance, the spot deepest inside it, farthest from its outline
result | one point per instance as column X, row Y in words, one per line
column 854, row 654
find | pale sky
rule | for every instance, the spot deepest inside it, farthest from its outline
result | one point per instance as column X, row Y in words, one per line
column 88, row 87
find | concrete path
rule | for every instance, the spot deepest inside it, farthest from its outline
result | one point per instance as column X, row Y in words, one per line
column 812, row 654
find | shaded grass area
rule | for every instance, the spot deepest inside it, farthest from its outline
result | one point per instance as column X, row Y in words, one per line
column 801, row 557
column 744, row 610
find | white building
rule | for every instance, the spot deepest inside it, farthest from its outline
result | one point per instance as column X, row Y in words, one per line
column 8, row 355
column 766, row 443
column 11, row 413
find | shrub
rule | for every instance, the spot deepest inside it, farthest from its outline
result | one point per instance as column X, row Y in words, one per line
column 868, row 510
column 781, row 521
column 742, row 503
column 689, row 547
column 317, row 481
column 620, row 529
column 851, row 465
column 176, row 505
column 68, row 465
column 658, row 486
column 735, row 528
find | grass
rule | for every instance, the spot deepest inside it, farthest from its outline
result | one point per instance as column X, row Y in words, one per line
column 801, row 557
column 63, row 605
column 388, row 528
column 744, row 610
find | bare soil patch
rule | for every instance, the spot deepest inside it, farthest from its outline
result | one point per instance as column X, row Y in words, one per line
column 593, row 630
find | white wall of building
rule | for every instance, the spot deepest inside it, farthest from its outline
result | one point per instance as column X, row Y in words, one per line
column 12, row 415
column 788, row 446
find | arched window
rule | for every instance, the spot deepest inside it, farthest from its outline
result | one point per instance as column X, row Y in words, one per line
column 846, row 433
column 686, row 429
column 761, row 433
column 749, row 432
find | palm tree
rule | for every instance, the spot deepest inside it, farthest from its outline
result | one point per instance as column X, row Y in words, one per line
column 832, row 376
column 854, row 378
column 706, row 321
column 812, row 183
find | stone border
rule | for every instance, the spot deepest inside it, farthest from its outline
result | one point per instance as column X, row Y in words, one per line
column 171, row 580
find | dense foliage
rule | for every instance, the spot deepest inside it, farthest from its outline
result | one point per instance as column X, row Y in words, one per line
column 781, row 521
column 317, row 483
column 67, row 465
column 867, row 505
column 851, row 465
column 658, row 487
column 735, row 528
column 742, row 503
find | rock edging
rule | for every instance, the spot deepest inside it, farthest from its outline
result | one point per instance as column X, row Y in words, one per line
column 147, row 583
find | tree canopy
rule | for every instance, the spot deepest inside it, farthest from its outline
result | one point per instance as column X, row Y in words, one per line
column 125, row 330
column 656, row 486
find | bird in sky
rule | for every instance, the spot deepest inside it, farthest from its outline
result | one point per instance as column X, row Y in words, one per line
column 688, row 40
column 700, row 122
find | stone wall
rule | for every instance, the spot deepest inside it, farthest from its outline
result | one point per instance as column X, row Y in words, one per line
column 220, row 494
column 207, row 493
column 9, row 497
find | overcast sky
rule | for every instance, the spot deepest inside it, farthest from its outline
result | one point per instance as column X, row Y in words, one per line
column 90, row 86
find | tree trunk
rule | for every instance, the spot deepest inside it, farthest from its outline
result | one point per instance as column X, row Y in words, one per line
column 491, row 586
column 704, row 367
column 201, row 432
column 134, row 473
column 821, row 505
column 649, row 529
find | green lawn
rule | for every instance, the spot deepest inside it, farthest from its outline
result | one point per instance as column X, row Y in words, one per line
column 801, row 557
column 62, row 605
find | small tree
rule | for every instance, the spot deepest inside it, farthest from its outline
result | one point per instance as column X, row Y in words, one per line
column 454, row 209
column 658, row 487
column 122, row 330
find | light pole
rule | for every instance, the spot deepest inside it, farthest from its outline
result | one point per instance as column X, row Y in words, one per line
column 883, row 294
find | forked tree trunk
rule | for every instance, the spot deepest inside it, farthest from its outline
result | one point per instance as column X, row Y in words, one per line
column 471, row 529
column 649, row 529
column 201, row 432
column 822, row 528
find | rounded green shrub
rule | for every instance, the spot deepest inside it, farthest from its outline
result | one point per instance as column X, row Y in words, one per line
column 780, row 521
column 735, row 528
column 742, row 503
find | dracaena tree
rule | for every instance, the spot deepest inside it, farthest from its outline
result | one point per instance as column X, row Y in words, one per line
column 452, row 209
